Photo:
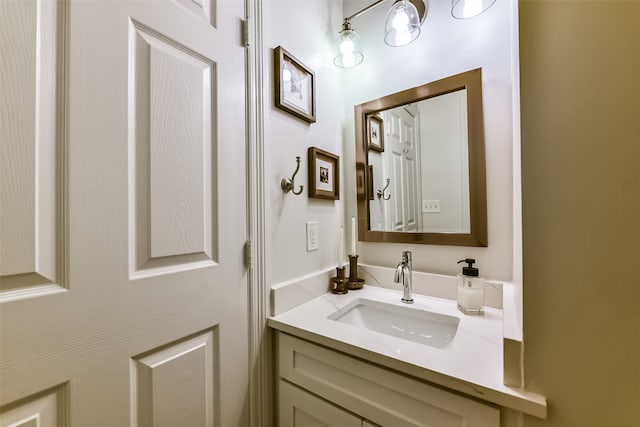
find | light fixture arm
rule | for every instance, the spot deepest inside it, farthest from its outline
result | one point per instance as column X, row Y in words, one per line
column 349, row 49
column 421, row 5
column 365, row 10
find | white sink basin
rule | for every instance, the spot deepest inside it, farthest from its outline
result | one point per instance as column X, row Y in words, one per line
column 420, row 326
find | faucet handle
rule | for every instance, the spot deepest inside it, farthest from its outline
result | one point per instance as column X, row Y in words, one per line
column 406, row 256
column 399, row 272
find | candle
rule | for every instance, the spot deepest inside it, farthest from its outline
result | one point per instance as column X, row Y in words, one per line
column 341, row 247
column 353, row 236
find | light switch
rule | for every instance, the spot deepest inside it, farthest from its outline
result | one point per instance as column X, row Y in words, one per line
column 312, row 236
column 430, row 206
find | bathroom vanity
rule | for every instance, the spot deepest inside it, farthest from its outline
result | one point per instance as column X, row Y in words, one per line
column 340, row 362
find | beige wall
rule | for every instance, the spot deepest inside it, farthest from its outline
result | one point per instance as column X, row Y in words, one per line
column 580, row 71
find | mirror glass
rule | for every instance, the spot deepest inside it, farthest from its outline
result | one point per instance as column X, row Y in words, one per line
column 420, row 163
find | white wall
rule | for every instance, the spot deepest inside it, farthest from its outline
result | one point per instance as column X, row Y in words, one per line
column 305, row 28
column 446, row 46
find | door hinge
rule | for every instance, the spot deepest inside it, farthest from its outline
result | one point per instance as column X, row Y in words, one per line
column 248, row 258
column 245, row 32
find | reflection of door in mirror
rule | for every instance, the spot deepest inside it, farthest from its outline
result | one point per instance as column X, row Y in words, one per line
column 401, row 125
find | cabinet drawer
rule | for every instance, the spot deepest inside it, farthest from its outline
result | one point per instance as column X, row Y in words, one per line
column 299, row 408
column 377, row 394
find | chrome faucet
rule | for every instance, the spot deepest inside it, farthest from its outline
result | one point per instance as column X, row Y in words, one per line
column 404, row 273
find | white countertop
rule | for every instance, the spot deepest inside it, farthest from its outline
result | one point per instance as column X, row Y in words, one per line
column 471, row 363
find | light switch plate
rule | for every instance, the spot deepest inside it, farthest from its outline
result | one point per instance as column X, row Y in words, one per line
column 312, row 236
column 430, row 206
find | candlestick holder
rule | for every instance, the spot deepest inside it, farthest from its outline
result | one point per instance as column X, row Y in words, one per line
column 339, row 283
column 354, row 282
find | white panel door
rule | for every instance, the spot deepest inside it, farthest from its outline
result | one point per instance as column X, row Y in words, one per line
column 402, row 165
column 123, row 292
column 411, row 176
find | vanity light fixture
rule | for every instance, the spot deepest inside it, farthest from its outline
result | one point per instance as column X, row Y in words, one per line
column 462, row 9
column 402, row 26
column 349, row 47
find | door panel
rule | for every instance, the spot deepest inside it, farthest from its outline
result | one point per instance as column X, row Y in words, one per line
column 115, row 222
column 31, row 175
column 164, row 396
column 394, row 169
column 170, row 172
column 410, row 173
column 45, row 409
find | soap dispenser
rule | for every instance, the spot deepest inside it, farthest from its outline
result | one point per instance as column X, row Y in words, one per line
column 470, row 289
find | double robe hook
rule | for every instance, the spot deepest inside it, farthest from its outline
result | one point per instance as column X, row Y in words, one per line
column 381, row 194
column 288, row 184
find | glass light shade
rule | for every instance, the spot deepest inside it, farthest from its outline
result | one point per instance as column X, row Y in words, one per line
column 462, row 9
column 350, row 52
column 402, row 24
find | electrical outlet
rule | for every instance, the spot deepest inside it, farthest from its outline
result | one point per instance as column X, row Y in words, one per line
column 312, row 236
column 430, row 206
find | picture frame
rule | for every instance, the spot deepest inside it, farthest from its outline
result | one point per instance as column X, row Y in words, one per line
column 370, row 182
column 375, row 133
column 295, row 85
column 324, row 174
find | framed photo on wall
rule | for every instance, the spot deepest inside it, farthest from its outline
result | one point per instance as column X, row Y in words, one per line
column 375, row 133
column 295, row 85
column 324, row 174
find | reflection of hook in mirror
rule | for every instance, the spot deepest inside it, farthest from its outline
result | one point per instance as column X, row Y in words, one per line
column 287, row 184
column 381, row 192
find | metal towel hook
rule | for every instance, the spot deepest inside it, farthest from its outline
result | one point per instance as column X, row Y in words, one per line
column 380, row 193
column 288, row 184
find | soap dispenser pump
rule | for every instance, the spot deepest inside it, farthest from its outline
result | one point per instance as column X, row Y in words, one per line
column 470, row 289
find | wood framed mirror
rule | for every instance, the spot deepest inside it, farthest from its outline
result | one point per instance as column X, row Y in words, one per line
column 432, row 163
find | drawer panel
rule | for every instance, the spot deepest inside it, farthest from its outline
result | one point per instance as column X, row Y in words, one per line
column 375, row 393
column 299, row 408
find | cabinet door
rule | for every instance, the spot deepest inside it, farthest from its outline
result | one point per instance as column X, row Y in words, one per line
column 298, row 408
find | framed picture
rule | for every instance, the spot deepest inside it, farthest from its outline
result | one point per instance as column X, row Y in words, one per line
column 370, row 182
column 375, row 133
column 295, row 85
column 324, row 174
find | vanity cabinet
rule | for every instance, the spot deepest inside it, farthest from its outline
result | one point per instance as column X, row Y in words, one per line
column 320, row 386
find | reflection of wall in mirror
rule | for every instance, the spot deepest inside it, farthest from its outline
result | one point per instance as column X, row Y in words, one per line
column 445, row 161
